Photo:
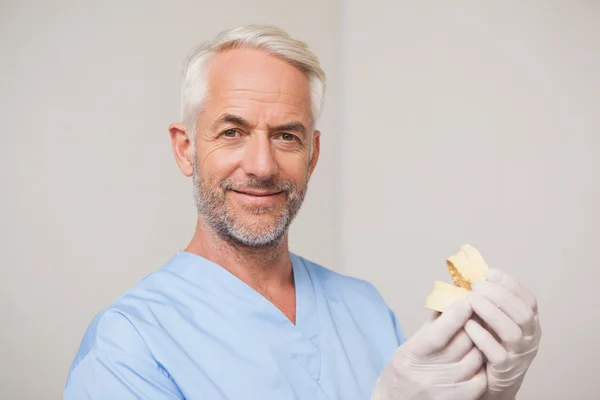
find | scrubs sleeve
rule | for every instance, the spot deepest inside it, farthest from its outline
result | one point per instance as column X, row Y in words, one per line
column 102, row 375
column 114, row 362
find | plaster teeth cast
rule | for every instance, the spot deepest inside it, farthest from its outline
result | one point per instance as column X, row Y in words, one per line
column 465, row 267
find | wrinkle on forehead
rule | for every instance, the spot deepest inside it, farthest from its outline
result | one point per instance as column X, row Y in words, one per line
column 252, row 75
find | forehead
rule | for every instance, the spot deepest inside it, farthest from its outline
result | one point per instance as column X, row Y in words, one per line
column 257, row 82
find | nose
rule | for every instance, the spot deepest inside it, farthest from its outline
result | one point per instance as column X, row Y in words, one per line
column 259, row 158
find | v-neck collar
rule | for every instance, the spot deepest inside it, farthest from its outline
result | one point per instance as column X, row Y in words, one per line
column 293, row 345
column 197, row 269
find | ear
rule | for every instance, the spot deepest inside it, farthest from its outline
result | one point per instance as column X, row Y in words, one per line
column 182, row 148
column 316, row 149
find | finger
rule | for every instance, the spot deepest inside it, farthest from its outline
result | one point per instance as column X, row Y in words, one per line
column 484, row 341
column 502, row 278
column 468, row 366
column 457, row 348
column 471, row 389
column 441, row 331
column 515, row 308
column 507, row 330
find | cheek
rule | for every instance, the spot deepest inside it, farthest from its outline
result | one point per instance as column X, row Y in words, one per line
column 293, row 167
column 219, row 162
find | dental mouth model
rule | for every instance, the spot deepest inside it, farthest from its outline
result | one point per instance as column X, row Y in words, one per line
column 465, row 267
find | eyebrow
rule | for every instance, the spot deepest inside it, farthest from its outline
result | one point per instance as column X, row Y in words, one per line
column 294, row 126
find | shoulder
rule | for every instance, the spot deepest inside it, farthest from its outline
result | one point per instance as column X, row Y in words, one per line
column 100, row 335
column 114, row 361
column 116, row 328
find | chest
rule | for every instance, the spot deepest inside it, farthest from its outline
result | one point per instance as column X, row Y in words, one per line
column 222, row 353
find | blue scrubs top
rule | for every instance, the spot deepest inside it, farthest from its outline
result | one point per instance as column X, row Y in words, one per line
column 192, row 330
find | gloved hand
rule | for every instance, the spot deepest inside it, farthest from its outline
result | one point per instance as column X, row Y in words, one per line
column 438, row 362
column 511, row 335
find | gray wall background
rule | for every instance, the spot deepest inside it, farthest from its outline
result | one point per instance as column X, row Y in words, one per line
column 472, row 123
column 478, row 122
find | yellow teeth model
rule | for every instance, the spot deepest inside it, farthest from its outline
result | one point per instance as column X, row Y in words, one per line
column 465, row 267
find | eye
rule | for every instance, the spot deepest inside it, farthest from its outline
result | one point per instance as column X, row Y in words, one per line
column 230, row 133
column 288, row 137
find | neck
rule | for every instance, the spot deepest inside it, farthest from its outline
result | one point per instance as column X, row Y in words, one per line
column 267, row 270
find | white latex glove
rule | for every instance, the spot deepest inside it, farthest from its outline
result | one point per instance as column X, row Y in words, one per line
column 512, row 332
column 438, row 362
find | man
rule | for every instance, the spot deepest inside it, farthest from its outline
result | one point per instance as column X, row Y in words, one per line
column 236, row 315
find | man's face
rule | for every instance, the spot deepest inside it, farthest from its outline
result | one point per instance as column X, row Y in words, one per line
column 253, row 144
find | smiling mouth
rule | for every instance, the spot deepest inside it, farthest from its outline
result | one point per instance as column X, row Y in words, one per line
column 257, row 194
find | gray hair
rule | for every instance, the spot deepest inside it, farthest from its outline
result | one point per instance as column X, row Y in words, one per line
column 268, row 38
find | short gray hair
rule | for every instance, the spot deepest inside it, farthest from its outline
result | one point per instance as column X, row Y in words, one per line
column 268, row 38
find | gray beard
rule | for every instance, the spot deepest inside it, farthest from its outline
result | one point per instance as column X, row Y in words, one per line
column 212, row 207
